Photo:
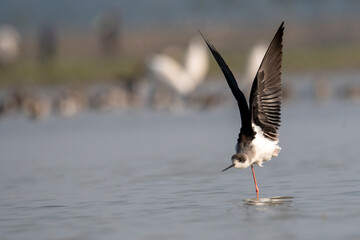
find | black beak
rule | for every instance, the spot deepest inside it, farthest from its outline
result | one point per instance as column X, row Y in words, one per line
column 232, row 165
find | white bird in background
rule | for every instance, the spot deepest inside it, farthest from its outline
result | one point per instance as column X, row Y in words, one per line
column 9, row 45
column 255, row 57
column 182, row 78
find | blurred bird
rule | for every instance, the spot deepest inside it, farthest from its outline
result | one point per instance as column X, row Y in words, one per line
column 37, row 107
column 352, row 92
column 258, row 138
column 12, row 101
column 255, row 57
column 110, row 98
column 108, row 27
column 9, row 45
column 71, row 101
column 322, row 88
column 31, row 103
column 182, row 78
column 47, row 43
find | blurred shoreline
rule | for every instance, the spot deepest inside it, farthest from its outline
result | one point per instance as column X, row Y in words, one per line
column 79, row 59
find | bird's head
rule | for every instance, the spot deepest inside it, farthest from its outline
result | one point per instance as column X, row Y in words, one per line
column 239, row 160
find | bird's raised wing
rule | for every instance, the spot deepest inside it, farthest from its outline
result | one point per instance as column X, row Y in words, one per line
column 197, row 60
column 265, row 96
column 170, row 72
column 238, row 94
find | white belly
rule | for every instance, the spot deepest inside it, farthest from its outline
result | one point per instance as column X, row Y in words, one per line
column 264, row 148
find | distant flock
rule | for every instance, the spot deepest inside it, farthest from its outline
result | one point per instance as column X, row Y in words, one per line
column 167, row 84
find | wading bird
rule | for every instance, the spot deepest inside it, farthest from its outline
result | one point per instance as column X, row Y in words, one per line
column 182, row 78
column 260, row 120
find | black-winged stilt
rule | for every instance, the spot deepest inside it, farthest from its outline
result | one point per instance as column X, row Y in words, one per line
column 258, row 138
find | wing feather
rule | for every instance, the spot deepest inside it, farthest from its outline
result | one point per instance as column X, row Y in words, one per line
column 246, row 127
column 265, row 97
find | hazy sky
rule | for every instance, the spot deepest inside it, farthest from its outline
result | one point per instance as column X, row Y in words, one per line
column 81, row 14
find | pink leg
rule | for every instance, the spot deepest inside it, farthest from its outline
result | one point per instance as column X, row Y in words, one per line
column 256, row 186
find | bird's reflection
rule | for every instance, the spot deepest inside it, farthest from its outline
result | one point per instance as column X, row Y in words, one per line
column 273, row 201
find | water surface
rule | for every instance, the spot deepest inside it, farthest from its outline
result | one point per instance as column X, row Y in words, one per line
column 156, row 175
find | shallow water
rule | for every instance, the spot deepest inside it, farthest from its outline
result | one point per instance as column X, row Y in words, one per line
column 156, row 175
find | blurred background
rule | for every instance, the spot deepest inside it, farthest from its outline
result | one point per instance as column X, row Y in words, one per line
column 82, row 44
column 153, row 121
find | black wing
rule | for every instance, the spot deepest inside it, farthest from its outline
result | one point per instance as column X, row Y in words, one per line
column 265, row 96
column 238, row 94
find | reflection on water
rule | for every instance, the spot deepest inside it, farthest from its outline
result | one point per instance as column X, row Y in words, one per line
column 273, row 201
